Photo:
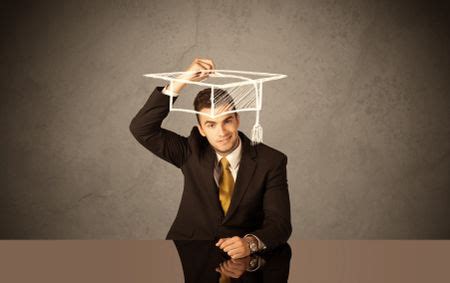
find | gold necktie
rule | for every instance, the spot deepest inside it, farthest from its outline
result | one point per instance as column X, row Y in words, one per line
column 226, row 183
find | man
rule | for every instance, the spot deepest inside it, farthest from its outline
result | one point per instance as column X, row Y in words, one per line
column 234, row 192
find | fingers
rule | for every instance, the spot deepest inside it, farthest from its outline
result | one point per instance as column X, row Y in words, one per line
column 223, row 242
column 206, row 63
column 237, row 253
column 227, row 241
column 205, row 70
column 220, row 241
column 234, row 247
column 200, row 69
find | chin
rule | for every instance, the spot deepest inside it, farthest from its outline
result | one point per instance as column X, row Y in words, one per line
column 223, row 148
column 226, row 147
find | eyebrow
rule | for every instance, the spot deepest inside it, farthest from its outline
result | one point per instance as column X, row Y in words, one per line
column 213, row 122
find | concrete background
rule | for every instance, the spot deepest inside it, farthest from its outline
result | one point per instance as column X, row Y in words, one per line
column 363, row 115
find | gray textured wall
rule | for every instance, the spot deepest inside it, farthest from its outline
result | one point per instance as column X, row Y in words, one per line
column 363, row 115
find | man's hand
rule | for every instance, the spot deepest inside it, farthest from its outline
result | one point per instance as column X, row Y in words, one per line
column 199, row 70
column 235, row 247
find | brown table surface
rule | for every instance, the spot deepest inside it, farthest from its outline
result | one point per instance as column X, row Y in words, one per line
column 159, row 261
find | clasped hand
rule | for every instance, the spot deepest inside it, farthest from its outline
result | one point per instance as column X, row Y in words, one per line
column 236, row 247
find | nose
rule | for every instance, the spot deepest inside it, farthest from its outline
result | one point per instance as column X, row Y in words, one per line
column 221, row 130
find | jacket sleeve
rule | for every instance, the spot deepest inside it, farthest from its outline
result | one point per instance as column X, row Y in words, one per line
column 146, row 128
column 276, row 228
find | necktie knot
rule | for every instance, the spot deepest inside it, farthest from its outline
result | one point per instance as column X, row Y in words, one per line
column 224, row 163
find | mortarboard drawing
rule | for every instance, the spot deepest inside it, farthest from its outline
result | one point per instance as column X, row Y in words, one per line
column 243, row 92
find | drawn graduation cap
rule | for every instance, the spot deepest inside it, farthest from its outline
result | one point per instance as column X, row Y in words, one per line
column 243, row 90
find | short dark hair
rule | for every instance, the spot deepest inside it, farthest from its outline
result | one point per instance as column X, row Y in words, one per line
column 221, row 97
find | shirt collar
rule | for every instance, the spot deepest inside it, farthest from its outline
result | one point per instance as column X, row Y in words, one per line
column 233, row 157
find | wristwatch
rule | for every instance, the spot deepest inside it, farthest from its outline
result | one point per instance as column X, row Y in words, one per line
column 252, row 244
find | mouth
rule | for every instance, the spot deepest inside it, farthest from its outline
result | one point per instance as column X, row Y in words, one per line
column 224, row 140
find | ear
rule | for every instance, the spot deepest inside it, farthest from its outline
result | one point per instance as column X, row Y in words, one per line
column 200, row 129
column 238, row 120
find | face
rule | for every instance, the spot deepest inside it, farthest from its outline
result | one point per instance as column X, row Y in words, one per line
column 221, row 132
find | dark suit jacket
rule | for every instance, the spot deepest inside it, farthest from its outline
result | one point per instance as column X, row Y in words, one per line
column 260, row 202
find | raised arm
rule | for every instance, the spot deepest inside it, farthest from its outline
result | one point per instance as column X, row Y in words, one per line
column 146, row 125
column 146, row 128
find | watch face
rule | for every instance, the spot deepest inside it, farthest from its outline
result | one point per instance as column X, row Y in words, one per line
column 253, row 247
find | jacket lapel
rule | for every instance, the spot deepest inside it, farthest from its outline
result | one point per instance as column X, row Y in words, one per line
column 208, row 159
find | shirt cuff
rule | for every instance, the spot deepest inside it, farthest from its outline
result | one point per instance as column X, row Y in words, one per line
column 261, row 245
column 166, row 91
